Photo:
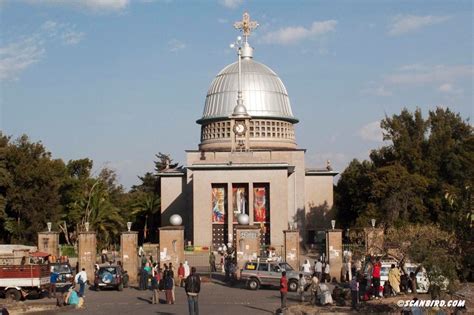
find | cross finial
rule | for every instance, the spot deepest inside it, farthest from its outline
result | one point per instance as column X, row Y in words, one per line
column 246, row 26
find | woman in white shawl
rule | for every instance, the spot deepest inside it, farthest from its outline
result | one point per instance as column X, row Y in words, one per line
column 306, row 267
column 324, row 294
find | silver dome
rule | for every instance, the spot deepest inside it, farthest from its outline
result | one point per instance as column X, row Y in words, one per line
column 263, row 93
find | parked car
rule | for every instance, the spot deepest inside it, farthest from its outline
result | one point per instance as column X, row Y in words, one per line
column 19, row 281
column 64, row 270
column 263, row 272
column 109, row 277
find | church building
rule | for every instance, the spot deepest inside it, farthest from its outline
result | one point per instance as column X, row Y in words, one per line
column 247, row 162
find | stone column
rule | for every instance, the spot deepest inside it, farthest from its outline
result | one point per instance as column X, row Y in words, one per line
column 374, row 241
column 87, row 253
column 129, row 255
column 48, row 242
column 292, row 248
column 247, row 244
column 334, row 252
column 172, row 245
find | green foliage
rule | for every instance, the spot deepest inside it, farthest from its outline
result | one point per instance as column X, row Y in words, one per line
column 423, row 175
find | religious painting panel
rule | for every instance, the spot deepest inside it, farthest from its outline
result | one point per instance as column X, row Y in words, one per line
column 218, row 204
column 261, row 211
column 239, row 201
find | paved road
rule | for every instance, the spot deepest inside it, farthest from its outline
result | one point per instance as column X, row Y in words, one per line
column 215, row 298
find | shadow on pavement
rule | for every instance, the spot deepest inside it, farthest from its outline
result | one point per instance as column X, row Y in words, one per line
column 259, row 309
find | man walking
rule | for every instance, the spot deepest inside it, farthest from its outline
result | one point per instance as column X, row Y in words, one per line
column 212, row 262
column 81, row 279
column 355, row 292
column 318, row 268
column 193, row 287
column 283, row 289
column 53, row 279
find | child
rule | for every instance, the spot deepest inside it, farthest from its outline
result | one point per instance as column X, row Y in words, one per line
column 301, row 286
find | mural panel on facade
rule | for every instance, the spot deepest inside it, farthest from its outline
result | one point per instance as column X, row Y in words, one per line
column 261, row 210
column 218, row 204
column 239, row 201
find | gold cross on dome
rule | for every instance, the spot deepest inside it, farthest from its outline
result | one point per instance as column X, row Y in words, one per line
column 246, row 26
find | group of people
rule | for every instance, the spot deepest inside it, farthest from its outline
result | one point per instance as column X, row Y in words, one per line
column 320, row 268
column 165, row 279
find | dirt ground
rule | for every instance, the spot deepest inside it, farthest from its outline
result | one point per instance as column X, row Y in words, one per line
column 389, row 305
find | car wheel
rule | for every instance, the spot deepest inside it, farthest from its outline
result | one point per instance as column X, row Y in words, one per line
column 13, row 294
column 253, row 284
column 292, row 285
column 120, row 287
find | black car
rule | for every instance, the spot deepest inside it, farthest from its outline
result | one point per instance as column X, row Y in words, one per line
column 64, row 271
column 109, row 277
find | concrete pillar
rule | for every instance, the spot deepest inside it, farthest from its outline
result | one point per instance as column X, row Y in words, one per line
column 87, row 253
column 129, row 255
column 172, row 245
column 247, row 244
column 292, row 248
column 374, row 241
column 48, row 242
column 334, row 252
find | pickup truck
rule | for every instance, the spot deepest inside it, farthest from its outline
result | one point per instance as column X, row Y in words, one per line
column 19, row 281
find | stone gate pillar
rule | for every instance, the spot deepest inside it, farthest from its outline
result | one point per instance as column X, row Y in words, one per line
column 292, row 248
column 334, row 252
column 129, row 255
column 48, row 242
column 87, row 253
column 172, row 245
column 247, row 244
column 374, row 241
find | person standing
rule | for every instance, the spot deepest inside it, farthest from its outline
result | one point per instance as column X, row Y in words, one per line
column 212, row 262
column 53, row 279
column 394, row 279
column 327, row 271
column 376, row 278
column 301, row 286
column 318, row 269
column 171, row 273
column 155, row 285
column 355, row 292
column 81, row 279
column 306, row 267
column 314, row 288
column 187, row 271
column 168, row 285
column 192, row 287
column 181, row 276
column 283, row 289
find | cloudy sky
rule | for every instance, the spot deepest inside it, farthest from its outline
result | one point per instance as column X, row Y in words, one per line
column 120, row 80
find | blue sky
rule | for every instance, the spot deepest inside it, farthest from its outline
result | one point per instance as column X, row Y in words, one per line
column 120, row 80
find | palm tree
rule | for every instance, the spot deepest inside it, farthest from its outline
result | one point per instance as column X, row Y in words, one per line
column 147, row 205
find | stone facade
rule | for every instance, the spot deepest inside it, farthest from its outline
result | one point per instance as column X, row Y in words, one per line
column 129, row 255
column 87, row 253
column 48, row 242
column 247, row 243
column 292, row 248
column 334, row 252
column 172, row 245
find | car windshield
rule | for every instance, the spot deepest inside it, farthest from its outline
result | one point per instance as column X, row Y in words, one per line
column 286, row 267
column 61, row 268
column 109, row 270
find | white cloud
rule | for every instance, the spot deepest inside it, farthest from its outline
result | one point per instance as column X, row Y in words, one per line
column 17, row 56
column 231, row 4
column 294, row 34
column 450, row 89
column 71, row 37
column 380, row 90
column 371, row 132
column 92, row 5
column 402, row 24
column 175, row 45
column 422, row 74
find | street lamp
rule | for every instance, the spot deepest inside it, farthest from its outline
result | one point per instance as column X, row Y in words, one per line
column 129, row 226
column 333, row 224
column 86, row 226
column 373, row 223
column 49, row 225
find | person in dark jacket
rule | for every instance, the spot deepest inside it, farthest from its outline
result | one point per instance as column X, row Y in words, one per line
column 193, row 287
column 168, row 285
